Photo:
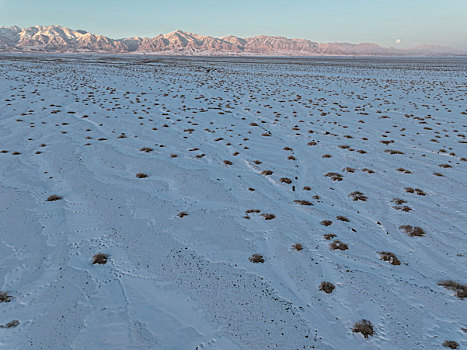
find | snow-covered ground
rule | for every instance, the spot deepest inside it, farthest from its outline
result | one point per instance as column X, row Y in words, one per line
column 74, row 127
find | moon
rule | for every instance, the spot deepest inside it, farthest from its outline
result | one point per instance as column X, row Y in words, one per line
column 398, row 41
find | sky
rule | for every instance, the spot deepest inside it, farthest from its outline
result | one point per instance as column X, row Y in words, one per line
column 398, row 23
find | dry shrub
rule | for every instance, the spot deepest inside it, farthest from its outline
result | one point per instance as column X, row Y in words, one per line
column 399, row 201
column 358, row 196
column 306, row 188
column 392, row 151
column 365, row 327
column 413, row 231
column 451, row 344
column 326, row 222
column 252, row 211
column 267, row 172
column 302, row 202
column 227, row 162
column 460, row 289
column 338, row 245
column 4, row 297
column 53, row 197
column 342, row 218
column 404, row 208
column 256, row 258
column 334, row 176
column 182, row 214
column 100, row 259
column 285, row 180
column 327, row 287
column 388, row 256
column 268, row 216
column 329, row 236
column 10, row 324
column 141, row 176
column 297, row 246
column 146, row 149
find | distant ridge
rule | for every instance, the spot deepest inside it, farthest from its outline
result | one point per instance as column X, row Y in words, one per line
column 57, row 39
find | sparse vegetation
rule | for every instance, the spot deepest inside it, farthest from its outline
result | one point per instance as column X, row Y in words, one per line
column 327, row 287
column 364, row 327
column 4, row 297
column 390, row 257
column 338, row 245
column 459, row 289
column 358, row 196
column 451, row 344
column 256, row 258
column 53, row 198
column 100, row 259
column 413, row 231
column 268, row 216
column 297, row 246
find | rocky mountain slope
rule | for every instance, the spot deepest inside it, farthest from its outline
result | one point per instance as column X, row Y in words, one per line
column 60, row 39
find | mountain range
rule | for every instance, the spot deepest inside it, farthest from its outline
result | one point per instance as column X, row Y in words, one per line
column 57, row 39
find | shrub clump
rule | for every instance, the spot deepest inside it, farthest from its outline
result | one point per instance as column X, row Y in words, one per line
column 4, row 297
column 451, row 344
column 460, row 289
column 388, row 256
column 365, row 327
column 100, row 259
column 297, row 246
column 413, row 231
column 327, row 287
column 53, row 197
column 338, row 245
column 256, row 258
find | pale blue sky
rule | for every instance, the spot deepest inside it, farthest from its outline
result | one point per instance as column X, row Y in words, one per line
column 414, row 22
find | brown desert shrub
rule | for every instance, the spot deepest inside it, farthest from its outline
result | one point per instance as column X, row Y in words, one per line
column 297, row 246
column 451, row 344
column 285, row 180
column 365, row 327
column 268, row 216
column 334, row 176
column 53, row 197
column 256, row 258
column 302, row 202
column 460, row 289
column 326, row 222
column 182, row 214
column 388, row 256
column 100, row 259
column 327, row 287
column 141, row 176
column 358, row 196
column 413, row 231
column 338, row 245
column 4, row 297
